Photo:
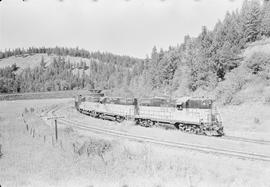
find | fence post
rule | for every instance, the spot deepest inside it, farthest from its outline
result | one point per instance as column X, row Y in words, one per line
column 56, row 133
column 1, row 151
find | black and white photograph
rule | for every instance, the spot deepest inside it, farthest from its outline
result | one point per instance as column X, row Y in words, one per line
column 134, row 93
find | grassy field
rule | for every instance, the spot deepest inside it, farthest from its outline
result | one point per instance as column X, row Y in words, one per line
column 80, row 159
column 250, row 119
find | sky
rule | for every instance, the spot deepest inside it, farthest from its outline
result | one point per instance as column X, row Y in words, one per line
column 125, row 27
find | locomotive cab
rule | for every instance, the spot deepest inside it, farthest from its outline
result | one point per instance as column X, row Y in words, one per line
column 203, row 111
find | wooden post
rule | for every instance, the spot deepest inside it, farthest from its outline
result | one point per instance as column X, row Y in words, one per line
column 1, row 151
column 56, row 133
column 55, row 125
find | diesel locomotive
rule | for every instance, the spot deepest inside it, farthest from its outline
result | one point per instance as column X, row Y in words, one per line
column 191, row 115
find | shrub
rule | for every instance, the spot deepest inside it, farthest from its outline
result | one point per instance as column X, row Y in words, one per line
column 257, row 120
column 234, row 82
column 26, row 110
column 259, row 63
column 267, row 100
column 32, row 110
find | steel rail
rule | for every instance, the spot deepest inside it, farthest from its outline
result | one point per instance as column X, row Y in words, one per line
column 194, row 147
column 242, row 139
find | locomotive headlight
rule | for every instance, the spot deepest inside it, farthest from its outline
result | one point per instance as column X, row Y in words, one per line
column 201, row 120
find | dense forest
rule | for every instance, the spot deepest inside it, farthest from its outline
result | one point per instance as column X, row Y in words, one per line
column 104, row 71
column 199, row 63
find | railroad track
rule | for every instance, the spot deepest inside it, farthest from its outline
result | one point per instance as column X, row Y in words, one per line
column 241, row 139
column 50, row 109
column 188, row 146
column 193, row 147
column 230, row 138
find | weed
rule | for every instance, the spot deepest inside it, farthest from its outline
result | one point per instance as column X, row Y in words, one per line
column 32, row 110
column 68, row 130
column 267, row 100
column 1, row 150
column 257, row 120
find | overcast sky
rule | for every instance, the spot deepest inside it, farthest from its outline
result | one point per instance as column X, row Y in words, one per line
column 130, row 27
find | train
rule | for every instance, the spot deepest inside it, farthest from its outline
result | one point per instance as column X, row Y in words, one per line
column 188, row 114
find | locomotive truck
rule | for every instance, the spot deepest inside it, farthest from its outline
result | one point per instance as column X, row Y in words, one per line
column 192, row 115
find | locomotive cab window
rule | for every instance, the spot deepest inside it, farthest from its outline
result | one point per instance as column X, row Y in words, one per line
column 179, row 106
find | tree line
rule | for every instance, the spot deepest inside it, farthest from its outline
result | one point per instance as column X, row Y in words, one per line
column 200, row 62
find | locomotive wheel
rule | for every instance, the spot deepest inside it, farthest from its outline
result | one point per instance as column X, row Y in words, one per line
column 102, row 116
column 119, row 119
column 137, row 122
column 177, row 125
column 144, row 123
column 92, row 113
column 150, row 123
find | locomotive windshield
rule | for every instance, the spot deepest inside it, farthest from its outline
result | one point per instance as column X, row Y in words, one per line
column 202, row 104
column 186, row 102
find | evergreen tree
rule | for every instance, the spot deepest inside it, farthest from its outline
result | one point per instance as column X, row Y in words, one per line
column 42, row 63
column 251, row 20
column 265, row 19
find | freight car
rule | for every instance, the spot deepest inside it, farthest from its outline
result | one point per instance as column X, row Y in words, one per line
column 192, row 115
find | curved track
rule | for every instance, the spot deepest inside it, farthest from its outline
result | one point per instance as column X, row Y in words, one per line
column 247, row 140
column 239, row 154
column 188, row 146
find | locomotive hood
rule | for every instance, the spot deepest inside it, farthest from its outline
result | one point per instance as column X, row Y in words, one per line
column 182, row 100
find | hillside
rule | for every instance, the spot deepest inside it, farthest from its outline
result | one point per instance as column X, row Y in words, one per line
column 53, row 69
column 250, row 81
column 257, row 46
column 32, row 61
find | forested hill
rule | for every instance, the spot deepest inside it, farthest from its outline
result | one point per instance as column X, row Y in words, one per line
column 74, row 52
column 214, row 62
column 49, row 69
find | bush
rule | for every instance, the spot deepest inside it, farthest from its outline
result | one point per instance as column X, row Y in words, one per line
column 234, row 82
column 259, row 63
column 32, row 110
column 257, row 120
column 267, row 100
column 26, row 110
column 93, row 147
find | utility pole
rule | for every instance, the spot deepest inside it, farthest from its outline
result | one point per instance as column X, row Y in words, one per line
column 55, row 125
